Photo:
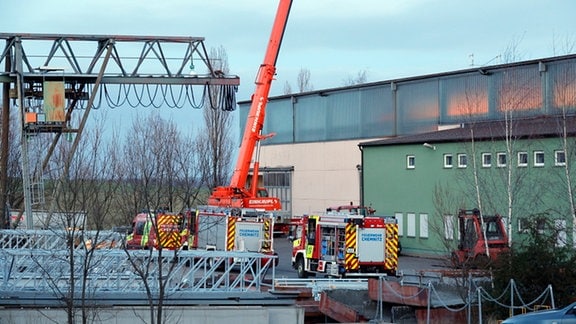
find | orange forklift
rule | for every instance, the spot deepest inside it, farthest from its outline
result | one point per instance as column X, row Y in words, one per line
column 482, row 239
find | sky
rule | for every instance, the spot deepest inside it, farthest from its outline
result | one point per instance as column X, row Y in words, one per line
column 334, row 40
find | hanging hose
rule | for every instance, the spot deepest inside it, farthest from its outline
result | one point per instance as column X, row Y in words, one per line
column 158, row 95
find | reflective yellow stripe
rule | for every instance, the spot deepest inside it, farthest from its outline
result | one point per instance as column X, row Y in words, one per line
column 231, row 233
column 391, row 247
column 350, row 260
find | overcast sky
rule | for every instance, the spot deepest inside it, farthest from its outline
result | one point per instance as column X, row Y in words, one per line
column 333, row 39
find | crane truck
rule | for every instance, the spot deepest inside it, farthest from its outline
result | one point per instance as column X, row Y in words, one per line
column 237, row 217
column 247, row 212
column 237, row 194
column 345, row 241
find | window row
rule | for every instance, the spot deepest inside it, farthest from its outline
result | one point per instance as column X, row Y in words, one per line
column 410, row 222
column 538, row 159
column 416, row 226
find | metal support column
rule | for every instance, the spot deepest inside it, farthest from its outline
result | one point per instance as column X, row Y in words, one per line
column 23, row 137
column 5, row 213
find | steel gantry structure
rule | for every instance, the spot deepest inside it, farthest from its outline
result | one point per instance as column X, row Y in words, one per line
column 163, row 66
column 116, row 277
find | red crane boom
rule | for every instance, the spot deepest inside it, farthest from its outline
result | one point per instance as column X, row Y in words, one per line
column 237, row 194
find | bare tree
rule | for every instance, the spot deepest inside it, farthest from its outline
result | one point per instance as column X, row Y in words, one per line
column 82, row 198
column 565, row 98
column 564, row 46
column 304, row 83
column 512, row 51
column 13, row 195
column 149, row 164
column 359, row 78
column 500, row 185
column 160, row 167
column 287, row 88
column 215, row 140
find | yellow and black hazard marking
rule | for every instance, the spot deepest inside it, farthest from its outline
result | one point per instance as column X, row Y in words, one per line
column 350, row 259
column 391, row 247
column 267, row 229
column 231, row 233
column 168, row 233
column 266, row 240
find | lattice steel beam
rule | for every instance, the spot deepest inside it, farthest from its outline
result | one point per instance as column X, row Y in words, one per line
column 135, row 59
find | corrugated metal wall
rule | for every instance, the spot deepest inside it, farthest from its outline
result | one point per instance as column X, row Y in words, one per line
column 416, row 105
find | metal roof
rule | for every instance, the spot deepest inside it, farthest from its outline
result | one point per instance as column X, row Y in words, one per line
column 484, row 70
column 527, row 128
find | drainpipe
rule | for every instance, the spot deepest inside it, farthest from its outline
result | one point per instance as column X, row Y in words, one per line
column 360, row 168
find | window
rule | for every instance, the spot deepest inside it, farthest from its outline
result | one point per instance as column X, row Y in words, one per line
column 501, row 159
column 486, row 160
column 522, row 159
column 559, row 158
column 410, row 162
column 423, row 225
column 531, row 224
column 538, row 158
column 447, row 160
column 462, row 160
column 411, row 225
column 560, row 228
column 449, row 227
column 400, row 220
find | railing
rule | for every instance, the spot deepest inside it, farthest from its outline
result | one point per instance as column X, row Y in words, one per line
column 117, row 270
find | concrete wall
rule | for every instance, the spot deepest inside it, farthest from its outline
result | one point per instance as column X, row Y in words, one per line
column 174, row 315
column 325, row 173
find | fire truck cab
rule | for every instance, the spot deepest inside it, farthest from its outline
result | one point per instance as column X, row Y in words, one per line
column 340, row 244
column 161, row 230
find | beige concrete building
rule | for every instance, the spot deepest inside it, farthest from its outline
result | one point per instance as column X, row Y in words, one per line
column 325, row 173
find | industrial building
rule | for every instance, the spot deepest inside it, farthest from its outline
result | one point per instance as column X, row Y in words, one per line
column 395, row 145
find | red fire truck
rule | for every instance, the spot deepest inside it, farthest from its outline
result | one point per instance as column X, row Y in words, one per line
column 161, row 230
column 340, row 244
column 206, row 228
column 233, row 229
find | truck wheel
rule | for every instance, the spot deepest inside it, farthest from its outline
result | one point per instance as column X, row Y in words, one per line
column 277, row 260
column 300, row 268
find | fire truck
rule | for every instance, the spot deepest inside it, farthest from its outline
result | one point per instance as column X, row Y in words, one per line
column 338, row 244
column 233, row 229
column 161, row 230
column 206, row 228
column 482, row 239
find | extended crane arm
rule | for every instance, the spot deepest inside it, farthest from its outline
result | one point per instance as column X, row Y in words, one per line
column 255, row 121
column 236, row 194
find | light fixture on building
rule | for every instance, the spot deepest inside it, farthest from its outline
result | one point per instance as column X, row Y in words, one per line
column 541, row 67
column 484, row 72
column 430, row 146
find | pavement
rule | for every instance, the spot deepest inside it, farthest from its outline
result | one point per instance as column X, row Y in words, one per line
column 408, row 264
